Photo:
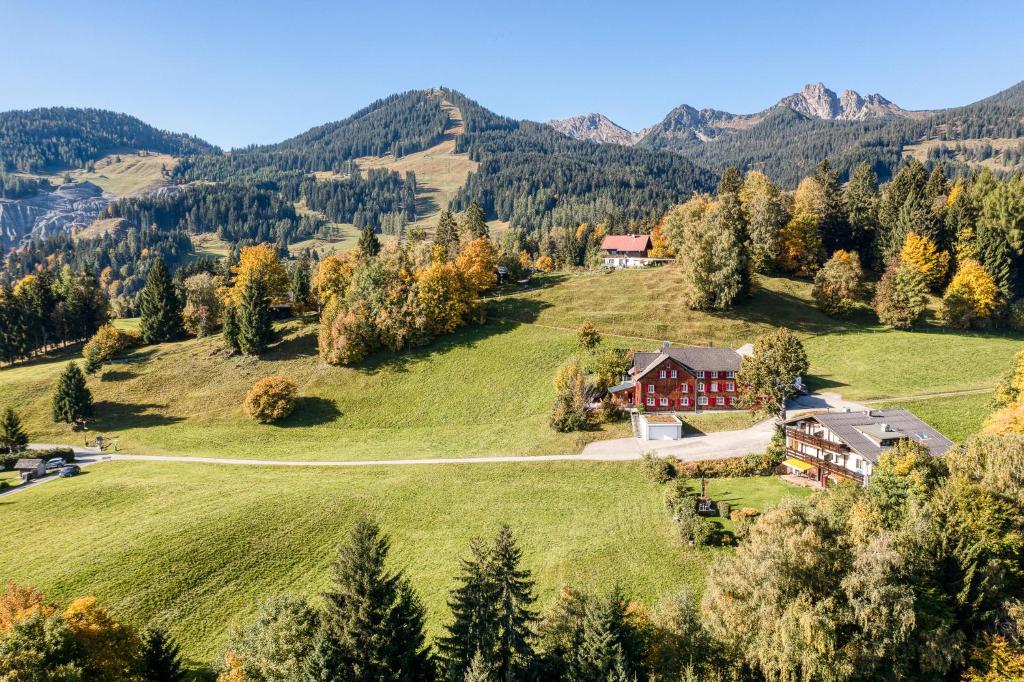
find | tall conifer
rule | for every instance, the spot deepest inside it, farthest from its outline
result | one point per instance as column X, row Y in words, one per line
column 159, row 306
column 254, row 318
column 72, row 400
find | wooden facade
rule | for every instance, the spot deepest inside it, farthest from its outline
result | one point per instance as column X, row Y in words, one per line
column 671, row 386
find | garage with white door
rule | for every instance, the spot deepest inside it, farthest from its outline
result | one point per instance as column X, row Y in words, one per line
column 660, row 427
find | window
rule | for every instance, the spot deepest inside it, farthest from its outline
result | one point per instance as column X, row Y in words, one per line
column 663, row 402
column 650, row 388
column 650, row 402
column 720, row 400
column 700, row 387
column 714, row 375
column 732, row 400
column 730, row 375
column 661, row 374
column 702, row 400
column 730, row 387
column 714, row 387
column 686, row 402
column 675, row 374
column 685, row 388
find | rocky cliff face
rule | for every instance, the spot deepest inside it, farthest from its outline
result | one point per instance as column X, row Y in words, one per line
column 817, row 101
column 50, row 213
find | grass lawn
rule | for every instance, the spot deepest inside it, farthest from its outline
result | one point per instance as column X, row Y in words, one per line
column 485, row 390
column 708, row 422
column 855, row 357
column 133, row 173
column 956, row 417
column 13, row 478
column 196, row 547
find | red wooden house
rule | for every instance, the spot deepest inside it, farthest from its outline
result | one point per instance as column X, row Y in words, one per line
column 681, row 379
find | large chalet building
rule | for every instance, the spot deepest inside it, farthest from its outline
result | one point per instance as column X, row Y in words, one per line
column 833, row 446
column 684, row 379
column 627, row 251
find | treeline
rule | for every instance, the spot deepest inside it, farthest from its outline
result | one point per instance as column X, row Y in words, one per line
column 44, row 310
column 120, row 259
column 38, row 139
column 19, row 187
column 400, row 124
column 787, row 146
column 355, row 199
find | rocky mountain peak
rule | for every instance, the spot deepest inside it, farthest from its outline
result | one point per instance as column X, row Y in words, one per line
column 596, row 128
column 817, row 101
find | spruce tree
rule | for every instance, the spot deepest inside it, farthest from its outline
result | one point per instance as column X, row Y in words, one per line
column 835, row 231
column 472, row 631
column 609, row 649
column 446, row 234
column 160, row 660
column 159, row 306
column 474, row 222
column 860, row 201
column 230, row 330
column 300, row 284
column 373, row 620
column 72, row 400
column 254, row 318
column 12, row 436
column 513, row 602
column 369, row 245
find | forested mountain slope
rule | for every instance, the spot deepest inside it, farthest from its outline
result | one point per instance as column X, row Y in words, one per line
column 59, row 137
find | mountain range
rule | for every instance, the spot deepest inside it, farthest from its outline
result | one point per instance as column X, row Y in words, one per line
column 815, row 101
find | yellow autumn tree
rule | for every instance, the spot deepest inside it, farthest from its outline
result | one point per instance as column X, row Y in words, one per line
column 997, row 660
column 478, row 262
column 809, row 200
column 258, row 262
column 445, row 297
column 971, row 297
column 800, row 248
column 545, row 264
column 109, row 646
column 920, row 253
column 234, row 671
column 333, row 276
column 661, row 247
column 19, row 602
column 1009, row 419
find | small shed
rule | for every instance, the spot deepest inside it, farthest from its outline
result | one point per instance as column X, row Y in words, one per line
column 661, row 427
column 30, row 468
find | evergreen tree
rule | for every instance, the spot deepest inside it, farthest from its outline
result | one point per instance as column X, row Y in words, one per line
column 230, row 331
column 474, row 222
column 480, row 670
column 159, row 307
column 446, row 235
column 835, row 230
column 72, row 400
column 609, row 649
column 300, row 282
column 861, row 203
column 514, row 599
column 473, row 630
column 373, row 621
column 254, row 318
column 369, row 245
column 12, row 436
column 13, row 339
column 160, row 658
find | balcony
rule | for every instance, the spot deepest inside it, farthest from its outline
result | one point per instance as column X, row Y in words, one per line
column 830, row 468
column 816, row 441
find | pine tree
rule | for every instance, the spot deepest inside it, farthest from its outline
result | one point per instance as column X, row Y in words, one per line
column 72, row 400
column 861, row 204
column 160, row 659
column 835, row 231
column 254, row 318
column 369, row 245
column 12, row 436
column 159, row 306
column 609, row 649
column 474, row 222
column 473, row 629
column 514, row 599
column 372, row 616
column 446, row 234
column 300, row 282
column 480, row 670
column 230, row 331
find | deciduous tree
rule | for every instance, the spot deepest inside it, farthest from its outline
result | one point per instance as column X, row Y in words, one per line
column 972, row 296
column 900, row 297
column 766, row 377
column 839, row 284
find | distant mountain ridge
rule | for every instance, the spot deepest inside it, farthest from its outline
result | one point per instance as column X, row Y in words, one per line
column 814, row 101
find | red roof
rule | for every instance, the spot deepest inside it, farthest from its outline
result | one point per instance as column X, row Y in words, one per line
column 626, row 242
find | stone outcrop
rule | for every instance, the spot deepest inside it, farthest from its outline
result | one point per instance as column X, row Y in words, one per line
column 46, row 214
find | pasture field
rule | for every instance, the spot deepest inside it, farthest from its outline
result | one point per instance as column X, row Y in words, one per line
column 129, row 175
column 196, row 547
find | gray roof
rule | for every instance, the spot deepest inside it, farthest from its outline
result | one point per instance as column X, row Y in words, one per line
column 28, row 464
column 858, row 429
column 697, row 358
column 622, row 387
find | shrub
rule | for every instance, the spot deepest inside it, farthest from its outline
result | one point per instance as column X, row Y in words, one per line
column 724, row 509
column 7, row 462
column 742, row 519
column 571, row 410
column 678, row 494
column 838, row 285
column 587, row 336
column 67, row 454
column 693, row 528
column 107, row 343
column 657, row 469
column 4, row 485
column 730, row 467
column 271, row 398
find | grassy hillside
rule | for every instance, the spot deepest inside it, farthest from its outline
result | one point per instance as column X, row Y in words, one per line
column 133, row 173
column 196, row 547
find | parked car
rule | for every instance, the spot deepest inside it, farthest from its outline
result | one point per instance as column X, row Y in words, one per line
column 55, row 463
column 70, row 470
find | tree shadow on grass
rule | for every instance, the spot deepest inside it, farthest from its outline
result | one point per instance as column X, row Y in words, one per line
column 298, row 343
column 113, row 416
column 117, row 375
column 311, row 411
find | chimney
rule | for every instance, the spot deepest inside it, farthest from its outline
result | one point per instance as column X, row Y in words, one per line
column 885, row 427
column 665, row 345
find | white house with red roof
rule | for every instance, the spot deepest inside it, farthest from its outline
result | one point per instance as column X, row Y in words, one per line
column 628, row 251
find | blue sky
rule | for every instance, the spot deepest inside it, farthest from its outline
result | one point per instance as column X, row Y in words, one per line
column 252, row 72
